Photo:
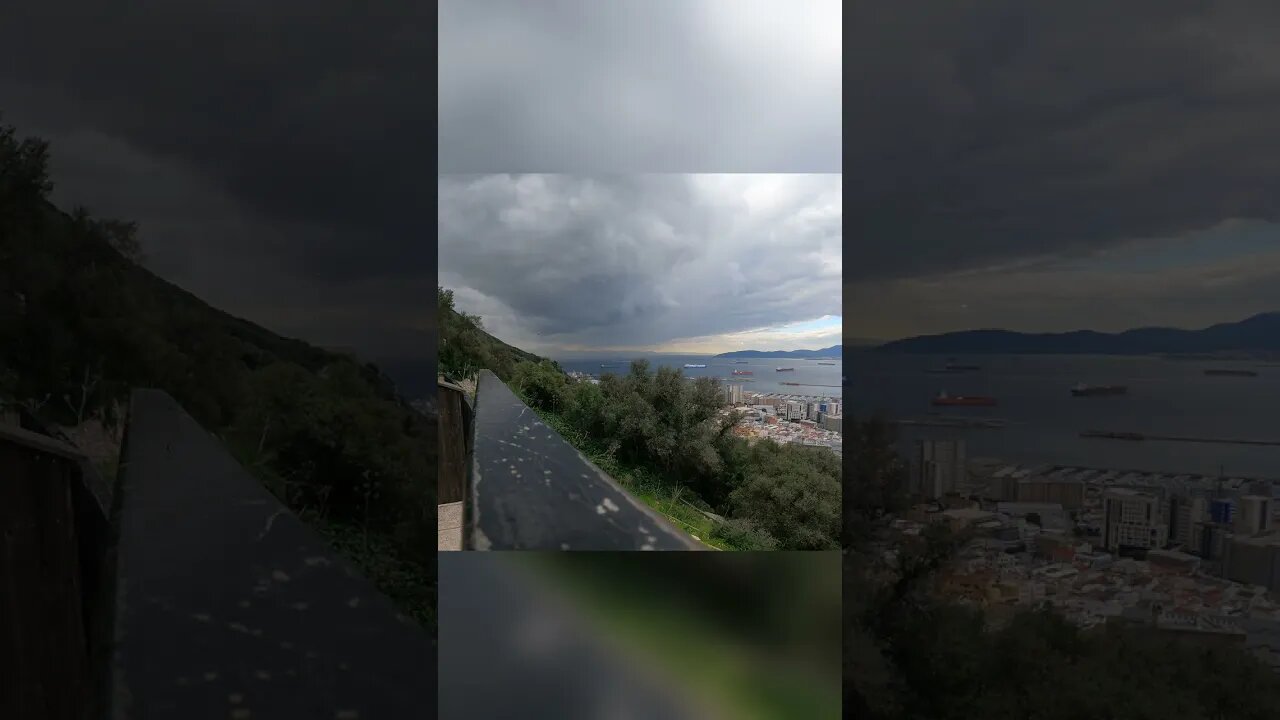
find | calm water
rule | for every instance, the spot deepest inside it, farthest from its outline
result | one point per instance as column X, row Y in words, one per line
column 1165, row 398
column 766, row 378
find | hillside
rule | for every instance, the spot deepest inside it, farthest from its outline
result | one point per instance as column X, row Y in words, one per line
column 1259, row 334
column 833, row 351
column 82, row 321
column 465, row 347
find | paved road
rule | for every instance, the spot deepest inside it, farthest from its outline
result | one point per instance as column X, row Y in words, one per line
column 229, row 607
column 508, row 649
column 534, row 491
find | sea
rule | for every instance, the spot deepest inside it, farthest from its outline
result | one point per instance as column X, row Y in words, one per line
column 1044, row 421
column 816, row 380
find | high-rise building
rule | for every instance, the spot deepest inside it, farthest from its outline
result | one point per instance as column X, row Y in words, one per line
column 1132, row 518
column 834, row 423
column 1254, row 516
column 795, row 410
column 1185, row 511
column 939, row 467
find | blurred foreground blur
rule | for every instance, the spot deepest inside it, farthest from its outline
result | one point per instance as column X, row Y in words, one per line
column 617, row 636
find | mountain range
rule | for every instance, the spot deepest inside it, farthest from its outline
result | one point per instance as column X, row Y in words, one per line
column 833, row 351
column 1257, row 334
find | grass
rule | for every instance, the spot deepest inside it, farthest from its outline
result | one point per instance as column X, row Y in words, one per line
column 664, row 496
column 376, row 556
column 740, row 680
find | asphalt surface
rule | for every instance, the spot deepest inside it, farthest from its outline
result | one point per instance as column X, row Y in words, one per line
column 227, row 606
column 511, row 649
column 532, row 490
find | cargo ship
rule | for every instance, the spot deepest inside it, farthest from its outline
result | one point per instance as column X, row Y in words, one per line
column 953, row 367
column 788, row 383
column 1113, row 435
column 1082, row 390
column 785, row 369
column 826, row 363
column 944, row 399
column 741, row 362
column 692, row 365
column 1231, row 373
column 743, row 372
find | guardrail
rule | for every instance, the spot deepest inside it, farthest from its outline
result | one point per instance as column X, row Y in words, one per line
column 50, row 573
column 212, row 598
column 529, row 489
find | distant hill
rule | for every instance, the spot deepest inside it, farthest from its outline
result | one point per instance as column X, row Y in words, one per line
column 465, row 347
column 1258, row 334
column 833, row 351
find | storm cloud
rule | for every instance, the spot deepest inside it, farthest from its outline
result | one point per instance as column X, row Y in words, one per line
column 1007, row 139
column 640, row 86
column 272, row 154
column 691, row 262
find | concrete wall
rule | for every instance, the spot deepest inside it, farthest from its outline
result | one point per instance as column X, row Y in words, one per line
column 531, row 490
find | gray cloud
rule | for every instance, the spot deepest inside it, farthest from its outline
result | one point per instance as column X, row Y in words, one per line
column 271, row 153
column 640, row 86
column 985, row 134
column 559, row 260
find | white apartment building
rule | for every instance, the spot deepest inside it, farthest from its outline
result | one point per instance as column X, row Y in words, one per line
column 1132, row 518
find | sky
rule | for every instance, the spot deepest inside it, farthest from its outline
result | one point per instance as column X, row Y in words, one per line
column 1058, row 166
column 561, row 264
column 272, row 153
column 635, row 86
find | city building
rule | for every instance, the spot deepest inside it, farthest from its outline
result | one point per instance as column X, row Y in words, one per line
column 794, row 410
column 1132, row 518
column 939, row 467
column 1064, row 491
column 1184, row 512
column 1209, row 539
column 834, row 423
column 1254, row 516
column 1254, row 560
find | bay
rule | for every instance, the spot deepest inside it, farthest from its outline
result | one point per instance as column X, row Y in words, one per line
column 765, row 379
column 1165, row 397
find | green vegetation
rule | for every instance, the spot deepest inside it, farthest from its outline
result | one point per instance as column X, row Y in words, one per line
column 465, row 347
column 666, row 439
column 773, row 656
column 82, row 322
column 911, row 654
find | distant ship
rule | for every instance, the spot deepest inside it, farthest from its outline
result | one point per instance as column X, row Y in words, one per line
column 1232, row 373
column 691, row 365
column 953, row 367
column 788, row 383
column 743, row 372
column 608, row 365
column 784, row 369
column 944, row 399
column 826, row 363
column 741, row 362
column 1082, row 390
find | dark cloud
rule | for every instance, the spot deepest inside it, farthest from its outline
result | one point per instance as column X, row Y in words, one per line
column 640, row 86
column 989, row 133
column 273, row 154
column 558, row 260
